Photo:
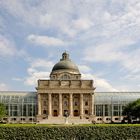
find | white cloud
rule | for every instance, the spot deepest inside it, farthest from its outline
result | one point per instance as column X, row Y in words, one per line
column 45, row 40
column 68, row 17
column 39, row 69
column 82, row 24
column 17, row 79
column 110, row 28
column 102, row 53
column 84, row 68
column 131, row 62
column 38, row 63
column 3, row 87
column 6, row 47
column 100, row 83
column 33, row 77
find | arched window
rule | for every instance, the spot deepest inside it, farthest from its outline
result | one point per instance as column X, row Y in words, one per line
column 65, row 77
column 86, row 103
column 86, row 111
column 44, row 112
column 44, row 103
column 66, row 103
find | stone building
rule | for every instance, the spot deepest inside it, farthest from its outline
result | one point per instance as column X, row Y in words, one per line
column 65, row 98
column 65, row 94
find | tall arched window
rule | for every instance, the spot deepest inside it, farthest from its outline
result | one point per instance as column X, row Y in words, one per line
column 65, row 77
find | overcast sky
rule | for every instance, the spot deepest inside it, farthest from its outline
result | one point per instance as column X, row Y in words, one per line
column 101, row 36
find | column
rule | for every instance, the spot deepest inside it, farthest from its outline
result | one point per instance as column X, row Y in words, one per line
column 103, row 117
column 81, row 104
column 92, row 103
column 71, row 104
column 39, row 104
column 50, row 104
column 60, row 104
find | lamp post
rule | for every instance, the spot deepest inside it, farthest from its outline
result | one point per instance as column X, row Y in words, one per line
column 66, row 114
column 112, row 110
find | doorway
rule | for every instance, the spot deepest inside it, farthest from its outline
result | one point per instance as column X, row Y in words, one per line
column 76, row 113
column 55, row 113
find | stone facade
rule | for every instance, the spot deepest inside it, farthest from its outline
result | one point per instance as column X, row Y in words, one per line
column 65, row 94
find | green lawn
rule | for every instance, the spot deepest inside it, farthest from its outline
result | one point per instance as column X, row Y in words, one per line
column 69, row 125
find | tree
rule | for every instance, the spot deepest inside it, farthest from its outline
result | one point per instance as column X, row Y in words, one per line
column 2, row 111
column 132, row 110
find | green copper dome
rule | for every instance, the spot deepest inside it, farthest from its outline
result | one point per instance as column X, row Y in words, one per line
column 65, row 64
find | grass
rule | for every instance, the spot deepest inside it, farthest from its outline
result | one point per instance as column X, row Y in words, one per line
column 55, row 125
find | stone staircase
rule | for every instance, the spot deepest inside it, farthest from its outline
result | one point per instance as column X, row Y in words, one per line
column 63, row 120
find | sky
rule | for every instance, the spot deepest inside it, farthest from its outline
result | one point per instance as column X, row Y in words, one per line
column 101, row 36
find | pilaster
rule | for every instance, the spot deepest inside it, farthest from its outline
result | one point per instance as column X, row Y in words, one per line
column 60, row 104
column 71, row 104
column 92, row 104
column 50, row 105
column 81, row 104
column 39, row 104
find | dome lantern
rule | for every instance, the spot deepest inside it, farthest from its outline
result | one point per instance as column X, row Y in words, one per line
column 65, row 67
column 65, row 56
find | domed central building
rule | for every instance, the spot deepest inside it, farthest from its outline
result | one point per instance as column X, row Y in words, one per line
column 65, row 95
column 65, row 69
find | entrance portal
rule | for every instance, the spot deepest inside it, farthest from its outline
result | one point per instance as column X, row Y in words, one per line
column 76, row 113
column 55, row 113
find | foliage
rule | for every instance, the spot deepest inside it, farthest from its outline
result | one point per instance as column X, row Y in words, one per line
column 2, row 111
column 132, row 109
column 72, row 132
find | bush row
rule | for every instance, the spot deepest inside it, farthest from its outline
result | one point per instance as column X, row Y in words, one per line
column 70, row 133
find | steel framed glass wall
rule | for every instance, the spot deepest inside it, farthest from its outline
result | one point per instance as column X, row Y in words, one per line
column 108, row 106
column 20, row 106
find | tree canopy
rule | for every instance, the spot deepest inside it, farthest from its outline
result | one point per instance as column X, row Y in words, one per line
column 132, row 109
column 2, row 111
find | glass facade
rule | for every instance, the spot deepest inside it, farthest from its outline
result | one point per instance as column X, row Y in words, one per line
column 108, row 106
column 20, row 106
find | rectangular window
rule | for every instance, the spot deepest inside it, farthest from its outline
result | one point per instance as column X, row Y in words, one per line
column 99, row 110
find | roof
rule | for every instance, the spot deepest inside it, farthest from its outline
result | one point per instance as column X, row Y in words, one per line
column 65, row 64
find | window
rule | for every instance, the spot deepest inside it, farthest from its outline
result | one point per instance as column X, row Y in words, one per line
column 76, row 104
column 22, row 119
column 44, row 111
column 31, row 119
column 76, row 113
column 116, row 119
column 65, row 103
column 116, row 110
column 5, row 119
column 116, row 107
column 108, row 119
column 107, row 110
column 53, row 77
column 99, row 119
column 65, row 96
column 116, row 113
column 86, row 103
column 99, row 110
column 86, row 111
column 13, row 119
column 44, row 103
column 65, row 77
column 55, row 103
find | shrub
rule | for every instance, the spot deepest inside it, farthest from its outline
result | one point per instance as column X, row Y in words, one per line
column 91, row 132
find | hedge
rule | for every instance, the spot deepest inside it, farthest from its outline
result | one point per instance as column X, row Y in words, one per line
column 91, row 132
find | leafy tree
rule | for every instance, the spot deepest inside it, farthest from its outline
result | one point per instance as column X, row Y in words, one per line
column 2, row 111
column 132, row 109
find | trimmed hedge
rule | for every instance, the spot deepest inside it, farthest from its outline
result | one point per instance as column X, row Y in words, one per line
column 91, row 132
